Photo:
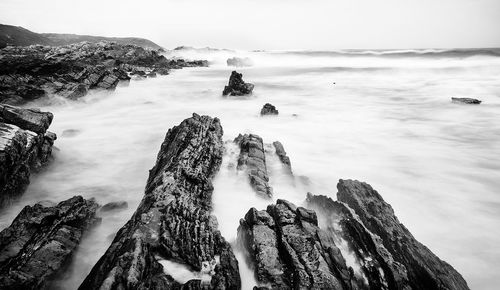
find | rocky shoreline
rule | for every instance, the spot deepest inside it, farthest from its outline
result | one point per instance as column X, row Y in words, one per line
column 286, row 245
column 31, row 72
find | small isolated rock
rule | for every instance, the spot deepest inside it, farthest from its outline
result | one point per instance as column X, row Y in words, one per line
column 236, row 86
column 116, row 205
column 268, row 109
column 466, row 101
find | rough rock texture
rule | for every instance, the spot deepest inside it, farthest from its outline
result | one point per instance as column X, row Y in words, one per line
column 25, row 146
column 236, row 86
column 379, row 268
column 239, row 61
column 425, row 270
column 174, row 220
column 253, row 160
column 117, row 205
column 40, row 242
column 289, row 251
column 285, row 160
column 268, row 109
column 466, row 101
column 28, row 73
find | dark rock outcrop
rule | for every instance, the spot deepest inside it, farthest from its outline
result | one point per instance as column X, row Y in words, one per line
column 268, row 109
column 25, row 146
column 28, row 73
column 239, row 61
column 466, row 101
column 174, row 220
column 252, row 159
column 280, row 151
column 41, row 241
column 289, row 251
column 379, row 268
column 236, row 86
column 424, row 269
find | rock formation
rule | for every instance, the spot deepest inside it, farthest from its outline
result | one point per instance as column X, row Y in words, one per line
column 268, row 109
column 236, row 86
column 424, row 269
column 280, row 151
column 41, row 241
column 466, row 101
column 25, row 145
column 239, row 62
column 253, row 160
column 28, row 73
column 173, row 221
column 289, row 250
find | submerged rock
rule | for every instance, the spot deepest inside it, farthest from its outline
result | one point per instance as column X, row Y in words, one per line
column 173, row 221
column 239, row 62
column 268, row 109
column 25, row 146
column 289, row 251
column 424, row 269
column 466, row 101
column 117, row 205
column 236, row 86
column 285, row 160
column 40, row 242
column 253, row 160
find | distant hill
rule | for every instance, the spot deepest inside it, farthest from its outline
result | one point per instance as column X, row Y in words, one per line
column 63, row 39
column 18, row 36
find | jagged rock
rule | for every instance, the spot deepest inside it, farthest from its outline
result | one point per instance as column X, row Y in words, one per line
column 173, row 221
column 424, row 269
column 289, row 251
column 285, row 160
column 268, row 109
column 253, row 160
column 466, row 101
column 379, row 268
column 114, row 206
column 25, row 145
column 31, row 72
column 239, row 62
column 236, row 86
column 40, row 242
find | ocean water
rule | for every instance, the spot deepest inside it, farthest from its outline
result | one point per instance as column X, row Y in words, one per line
column 383, row 117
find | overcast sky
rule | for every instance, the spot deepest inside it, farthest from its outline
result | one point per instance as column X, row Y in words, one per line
column 270, row 24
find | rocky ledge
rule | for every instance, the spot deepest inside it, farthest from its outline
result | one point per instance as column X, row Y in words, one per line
column 173, row 221
column 466, row 101
column 25, row 146
column 39, row 244
column 289, row 250
column 236, row 86
column 28, row 73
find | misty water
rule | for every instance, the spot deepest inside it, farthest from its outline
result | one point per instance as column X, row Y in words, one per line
column 385, row 119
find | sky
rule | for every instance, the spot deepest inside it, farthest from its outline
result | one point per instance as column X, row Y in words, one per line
column 270, row 24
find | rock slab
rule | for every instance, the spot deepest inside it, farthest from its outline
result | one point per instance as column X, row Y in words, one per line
column 173, row 221
column 40, row 242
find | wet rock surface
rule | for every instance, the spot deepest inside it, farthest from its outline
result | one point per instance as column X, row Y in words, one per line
column 289, row 250
column 31, row 72
column 25, row 146
column 116, row 205
column 424, row 269
column 40, row 242
column 236, row 86
column 285, row 160
column 252, row 159
column 268, row 109
column 173, row 221
column 466, row 101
